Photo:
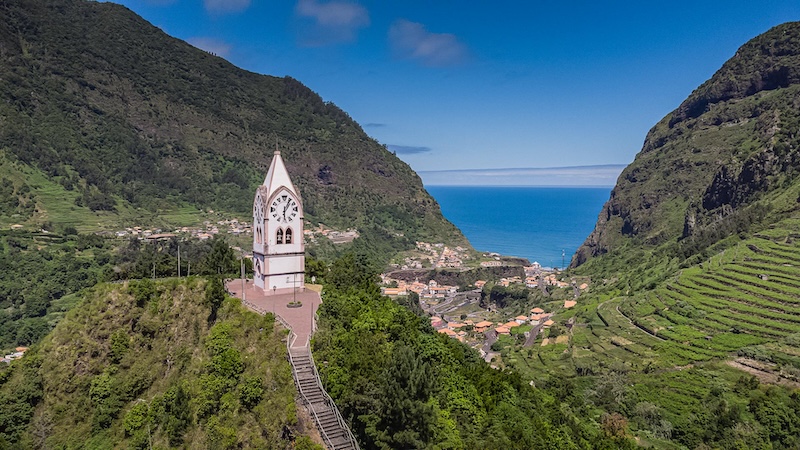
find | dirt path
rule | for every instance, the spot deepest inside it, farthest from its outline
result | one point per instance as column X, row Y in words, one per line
column 633, row 325
column 764, row 376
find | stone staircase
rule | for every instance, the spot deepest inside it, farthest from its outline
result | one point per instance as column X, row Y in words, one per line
column 329, row 421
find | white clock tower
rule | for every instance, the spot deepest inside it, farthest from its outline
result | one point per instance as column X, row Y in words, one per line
column 278, row 249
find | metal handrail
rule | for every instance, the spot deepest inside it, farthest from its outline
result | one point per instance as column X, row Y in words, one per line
column 303, row 395
column 331, row 404
column 291, row 337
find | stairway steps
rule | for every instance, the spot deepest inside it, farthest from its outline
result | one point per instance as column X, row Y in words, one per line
column 308, row 384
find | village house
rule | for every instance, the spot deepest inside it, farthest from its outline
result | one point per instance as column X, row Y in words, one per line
column 18, row 353
column 394, row 291
column 480, row 327
column 503, row 330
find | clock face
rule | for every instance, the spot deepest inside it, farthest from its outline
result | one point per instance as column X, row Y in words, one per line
column 283, row 209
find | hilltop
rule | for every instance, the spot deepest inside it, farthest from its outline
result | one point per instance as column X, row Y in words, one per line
column 144, row 365
column 107, row 120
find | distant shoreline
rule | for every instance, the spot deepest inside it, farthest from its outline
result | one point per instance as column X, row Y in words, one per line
column 600, row 176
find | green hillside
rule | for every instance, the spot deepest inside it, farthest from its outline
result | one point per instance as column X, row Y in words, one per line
column 691, row 326
column 105, row 120
column 707, row 168
column 141, row 365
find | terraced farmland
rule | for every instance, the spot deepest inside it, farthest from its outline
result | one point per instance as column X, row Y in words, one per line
column 744, row 301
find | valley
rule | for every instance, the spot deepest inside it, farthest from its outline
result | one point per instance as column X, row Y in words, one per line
column 129, row 161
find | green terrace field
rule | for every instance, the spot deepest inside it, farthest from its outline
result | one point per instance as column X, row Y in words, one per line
column 742, row 303
column 747, row 297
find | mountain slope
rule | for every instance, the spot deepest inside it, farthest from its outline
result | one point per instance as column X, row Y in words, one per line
column 715, row 165
column 118, row 116
column 140, row 365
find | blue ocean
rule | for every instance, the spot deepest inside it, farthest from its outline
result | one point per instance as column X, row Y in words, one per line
column 536, row 223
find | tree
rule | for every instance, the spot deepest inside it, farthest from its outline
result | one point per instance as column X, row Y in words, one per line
column 221, row 259
column 353, row 272
column 215, row 295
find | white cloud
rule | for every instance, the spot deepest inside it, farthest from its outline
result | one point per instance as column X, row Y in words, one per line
column 226, row 6
column 410, row 40
column 211, row 45
column 332, row 22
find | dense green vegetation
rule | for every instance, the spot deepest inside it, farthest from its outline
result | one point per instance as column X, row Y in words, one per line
column 693, row 264
column 674, row 359
column 401, row 385
column 152, row 365
column 690, row 328
column 108, row 120
column 42, row 273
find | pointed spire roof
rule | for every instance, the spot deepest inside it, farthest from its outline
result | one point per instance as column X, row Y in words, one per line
column 278, row 177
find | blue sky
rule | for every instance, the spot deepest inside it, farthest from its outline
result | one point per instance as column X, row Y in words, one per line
column 455, row 85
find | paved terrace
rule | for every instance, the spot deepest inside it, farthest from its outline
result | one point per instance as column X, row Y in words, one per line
column 299, row 319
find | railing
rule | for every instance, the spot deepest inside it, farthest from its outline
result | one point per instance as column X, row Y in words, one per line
column 290, row 338
column 303, row 395
column 331, row 404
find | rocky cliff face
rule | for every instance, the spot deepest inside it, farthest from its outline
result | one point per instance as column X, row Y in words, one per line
column 735, row 139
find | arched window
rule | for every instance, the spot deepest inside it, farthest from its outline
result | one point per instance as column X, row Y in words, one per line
column 258, row 234
column 279, row 238
column 288, row 235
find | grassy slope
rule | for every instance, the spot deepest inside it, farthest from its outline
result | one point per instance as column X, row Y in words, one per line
column 93, row 388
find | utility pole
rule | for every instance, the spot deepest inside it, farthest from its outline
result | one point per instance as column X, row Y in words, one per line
column 244, row 293
column 562, row 258
column 179, row 261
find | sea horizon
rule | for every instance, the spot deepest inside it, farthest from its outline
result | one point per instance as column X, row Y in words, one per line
column 537, row 223
column 578, row 176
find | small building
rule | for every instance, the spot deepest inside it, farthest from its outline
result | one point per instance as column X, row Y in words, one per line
column 569, row 303
column 503, row 330
column 394, row 291
column 480, row 327
column 521, row 319
column 537, row 310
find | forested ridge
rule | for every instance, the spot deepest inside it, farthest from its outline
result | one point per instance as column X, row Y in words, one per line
column 104, row 112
